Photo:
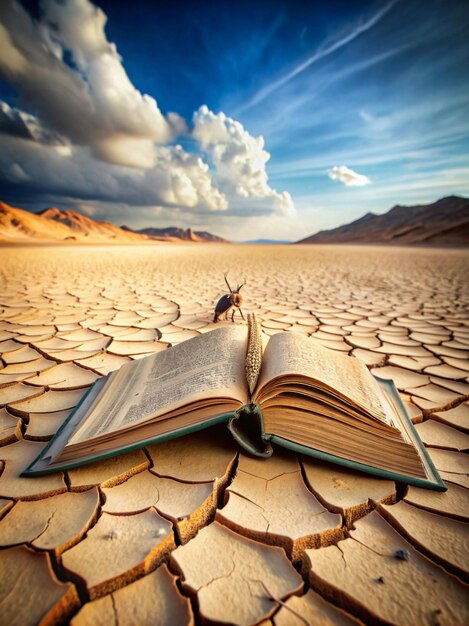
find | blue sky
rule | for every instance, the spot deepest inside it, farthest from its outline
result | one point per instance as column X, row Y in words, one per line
column 379, row 91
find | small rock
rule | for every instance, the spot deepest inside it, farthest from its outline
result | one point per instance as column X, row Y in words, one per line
column 403, row 555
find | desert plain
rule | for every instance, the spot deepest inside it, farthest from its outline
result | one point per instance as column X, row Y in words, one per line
column 192, row 531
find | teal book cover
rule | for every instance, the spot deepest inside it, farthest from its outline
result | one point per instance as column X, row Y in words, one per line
column 247, row 427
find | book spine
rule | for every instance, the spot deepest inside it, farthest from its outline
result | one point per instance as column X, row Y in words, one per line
column 247, row 428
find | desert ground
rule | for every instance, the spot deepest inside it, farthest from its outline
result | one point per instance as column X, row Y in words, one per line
column 193, row 531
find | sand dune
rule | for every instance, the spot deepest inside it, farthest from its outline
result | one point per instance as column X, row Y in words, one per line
column 55, row 225
column 83, row 226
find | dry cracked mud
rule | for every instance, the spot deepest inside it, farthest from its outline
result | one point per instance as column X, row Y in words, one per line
column 193, row 531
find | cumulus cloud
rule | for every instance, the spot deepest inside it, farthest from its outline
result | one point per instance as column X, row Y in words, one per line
column 89, row 134
column 89, row 100
column 348, row 176
column 239, row 160
column 178, row 179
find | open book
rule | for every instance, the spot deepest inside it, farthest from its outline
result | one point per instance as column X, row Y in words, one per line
column 289, row 391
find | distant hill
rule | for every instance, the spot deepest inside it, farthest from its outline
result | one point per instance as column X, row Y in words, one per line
column 443, row 223
column 174, row 233
column 17, row 225
column 52, row 225
column 267, row 241
column 83, row 227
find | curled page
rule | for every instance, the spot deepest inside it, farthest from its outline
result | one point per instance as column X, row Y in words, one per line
column 290, row 354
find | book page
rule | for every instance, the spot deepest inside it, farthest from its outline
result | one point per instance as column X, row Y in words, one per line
column 205, row 367
column 295, row 354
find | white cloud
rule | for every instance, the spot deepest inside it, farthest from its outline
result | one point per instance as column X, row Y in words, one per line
column 240, row 161
column 90, row 120
column 90, row 102
column 183, row 179
column 348, row 176
column 177, row 179
column 91, row 135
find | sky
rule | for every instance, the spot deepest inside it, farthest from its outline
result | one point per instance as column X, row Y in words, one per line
column 250, row 119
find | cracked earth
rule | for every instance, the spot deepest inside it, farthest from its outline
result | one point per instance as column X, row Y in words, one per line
column 192, row 531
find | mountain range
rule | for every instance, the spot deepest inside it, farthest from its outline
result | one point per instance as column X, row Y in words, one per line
column 52, row 225
column 173, row 233
column 442, row 223
column 267, row 242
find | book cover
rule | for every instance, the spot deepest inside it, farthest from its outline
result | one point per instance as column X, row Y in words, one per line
column 247, row 428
